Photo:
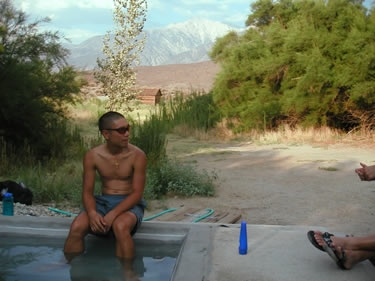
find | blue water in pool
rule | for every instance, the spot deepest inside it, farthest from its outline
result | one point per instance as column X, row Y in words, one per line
column 41, row 259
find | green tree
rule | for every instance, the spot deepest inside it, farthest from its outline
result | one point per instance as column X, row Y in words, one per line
column 121, row 53
column 35, row 84
column 302, row 62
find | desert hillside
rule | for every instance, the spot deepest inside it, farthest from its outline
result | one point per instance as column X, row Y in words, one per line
column 181, row 77
column 193, row 76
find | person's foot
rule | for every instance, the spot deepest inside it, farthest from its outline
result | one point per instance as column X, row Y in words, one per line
column 343, row 242
column 129, row 273
column 348, row 258
column 345, row 258
column 69, row 256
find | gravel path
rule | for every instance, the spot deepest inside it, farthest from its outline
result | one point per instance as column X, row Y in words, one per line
column 40, row 210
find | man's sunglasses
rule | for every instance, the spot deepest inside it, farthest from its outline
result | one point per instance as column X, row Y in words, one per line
column 121, row 130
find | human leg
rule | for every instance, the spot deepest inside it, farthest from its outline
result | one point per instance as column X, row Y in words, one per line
column 365, row 243
column 345, row 251
column 129, row 272
column 346, row 259
column 125, row 225
column 122, row 228
column 74, row 243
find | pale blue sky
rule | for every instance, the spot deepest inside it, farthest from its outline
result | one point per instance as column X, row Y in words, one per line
column 81, row 19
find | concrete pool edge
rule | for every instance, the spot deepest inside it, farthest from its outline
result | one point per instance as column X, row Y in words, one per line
column 196, row 238
column 210, row 251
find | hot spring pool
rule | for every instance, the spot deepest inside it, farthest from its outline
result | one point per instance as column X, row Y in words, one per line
column 31, row 249
column 32, row 258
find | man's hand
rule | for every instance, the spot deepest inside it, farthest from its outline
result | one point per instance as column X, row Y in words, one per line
column 97, row 223
column 109, row 218
column 366, row 173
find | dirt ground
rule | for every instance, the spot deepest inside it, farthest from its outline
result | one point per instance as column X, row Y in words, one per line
column 286, row 185
column 311, row 185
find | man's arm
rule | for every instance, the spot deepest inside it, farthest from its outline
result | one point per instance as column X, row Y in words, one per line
column 96, row 221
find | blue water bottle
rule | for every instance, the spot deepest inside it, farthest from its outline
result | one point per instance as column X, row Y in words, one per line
column 8, row 204
column 242, row 249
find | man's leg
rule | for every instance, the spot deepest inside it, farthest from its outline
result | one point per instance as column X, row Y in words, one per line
column 122, row 228
column 129, row 273
column 74, row 244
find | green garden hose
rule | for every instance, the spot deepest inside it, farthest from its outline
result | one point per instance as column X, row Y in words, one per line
column 62, row 212
column 159, row 214
column 209, row 213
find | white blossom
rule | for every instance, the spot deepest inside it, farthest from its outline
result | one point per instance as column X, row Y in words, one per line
column 121, row 53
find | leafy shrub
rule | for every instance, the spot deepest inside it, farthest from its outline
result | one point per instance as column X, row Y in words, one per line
column 172, row 177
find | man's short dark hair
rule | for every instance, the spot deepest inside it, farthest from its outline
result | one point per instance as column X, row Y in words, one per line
column 106, row 120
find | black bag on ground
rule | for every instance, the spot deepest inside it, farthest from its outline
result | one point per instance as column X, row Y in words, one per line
column 21, row 193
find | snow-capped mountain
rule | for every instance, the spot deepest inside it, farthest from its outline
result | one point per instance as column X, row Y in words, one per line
column 186, row 42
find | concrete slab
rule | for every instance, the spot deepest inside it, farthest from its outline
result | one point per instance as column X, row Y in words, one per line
column 210, row 251
column 276, row 253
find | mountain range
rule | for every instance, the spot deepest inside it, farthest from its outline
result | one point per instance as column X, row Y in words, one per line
column 180, row 43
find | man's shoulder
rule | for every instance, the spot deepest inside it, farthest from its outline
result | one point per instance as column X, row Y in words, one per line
column 95, row 150
column 136, row 149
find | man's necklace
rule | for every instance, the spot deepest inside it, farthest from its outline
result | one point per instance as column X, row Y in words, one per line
column 117, row 164
column 117, row 161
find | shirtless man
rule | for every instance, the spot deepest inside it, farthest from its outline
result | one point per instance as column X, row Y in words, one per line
column 120, row 208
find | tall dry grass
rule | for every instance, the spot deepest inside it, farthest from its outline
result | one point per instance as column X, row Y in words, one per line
column 282, row 135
